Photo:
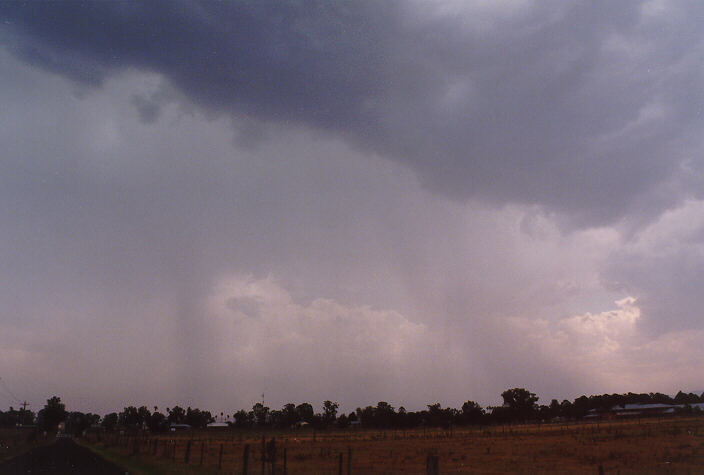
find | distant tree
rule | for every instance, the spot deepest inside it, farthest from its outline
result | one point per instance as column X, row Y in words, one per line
column 329, row 412
column 686, row 398
column 565, row 408
column 53, row 413
column 109, row 421
column 77, row 422
column 438, row 417
column 157, row 422
column 143, row 416
column 543, row 413
column 342, row 422
column 176, row 415
column 289, row 416
column 554, row 409
column 383, row 414
column 366, row 416
column 304, row 413
column 501, row 415
column 579, row 407
column 659, row 398
column 197, row 418
column 276, row 419
column 129, row 417
column 260, row 412
column 243, row 419
column 472, row 413
column 521, row 402
column 14, row 417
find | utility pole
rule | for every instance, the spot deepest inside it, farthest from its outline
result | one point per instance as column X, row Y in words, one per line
column 23, row 412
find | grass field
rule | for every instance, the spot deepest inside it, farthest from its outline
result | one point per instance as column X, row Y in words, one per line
column 673, row 445
column 15, row 441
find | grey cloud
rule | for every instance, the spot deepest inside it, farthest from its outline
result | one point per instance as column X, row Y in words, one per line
column 246, row 305
column 116, row 231
column 581, row 108
column 121, row 226
column 663, row 266
column 148, row 109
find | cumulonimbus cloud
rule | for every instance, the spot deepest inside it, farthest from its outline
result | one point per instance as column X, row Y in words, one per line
column 590, row 110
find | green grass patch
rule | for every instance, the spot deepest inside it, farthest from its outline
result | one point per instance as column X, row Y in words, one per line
column 141, row 464
column 13, row 444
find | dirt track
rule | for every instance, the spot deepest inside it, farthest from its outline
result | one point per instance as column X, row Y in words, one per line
column 62, row 457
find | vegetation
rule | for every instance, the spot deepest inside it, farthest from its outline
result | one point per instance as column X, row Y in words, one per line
column 519, row 406
column 650, row 445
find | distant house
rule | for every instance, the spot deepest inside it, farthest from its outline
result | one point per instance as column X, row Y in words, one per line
column 179, row 427
column 218, row 425
column 640, row 410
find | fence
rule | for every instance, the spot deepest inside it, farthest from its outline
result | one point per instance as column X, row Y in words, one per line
column 605, row 446
column 265, row 455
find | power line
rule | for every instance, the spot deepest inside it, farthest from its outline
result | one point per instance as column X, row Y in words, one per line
column 7, row 390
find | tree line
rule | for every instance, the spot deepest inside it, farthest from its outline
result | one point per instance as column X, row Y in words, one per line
column 519, row 405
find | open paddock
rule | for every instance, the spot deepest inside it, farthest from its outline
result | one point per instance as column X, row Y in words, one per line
column 668, row 445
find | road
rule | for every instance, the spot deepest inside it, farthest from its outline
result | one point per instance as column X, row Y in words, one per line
column 62, row 457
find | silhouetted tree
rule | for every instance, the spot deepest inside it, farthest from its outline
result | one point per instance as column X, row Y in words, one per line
column 176, row 415
column 243, row 419
column 53, row 413
column 260, row 412
column 289, row 417
column 383, row 414
column 343, row 422
column 143, row 416
column 521, row 402
column 109, row 421
column 304, row 413
column 14, row 417
column 129, row 417
column 197, row 418
column 157, row 422
column 329, row 412
column 472, row 413
column 77, row 422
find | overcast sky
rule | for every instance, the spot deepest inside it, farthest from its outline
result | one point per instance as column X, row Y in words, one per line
column 404, row 201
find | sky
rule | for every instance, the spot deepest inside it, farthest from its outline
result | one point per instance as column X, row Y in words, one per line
column 410, row 201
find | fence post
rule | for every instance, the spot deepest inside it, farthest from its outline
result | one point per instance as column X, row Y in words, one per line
column 432, row 465
column 284, row 470
column 339, row 468
column 245, row 459
column 349, row 460
column 271, row 454
column 187, row 457
column 220, row 458
column 202, row 450
column 263, row 455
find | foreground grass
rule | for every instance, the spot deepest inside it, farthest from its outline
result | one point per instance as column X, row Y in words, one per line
column 139, row 464
column 669, row 445
column 14, row 443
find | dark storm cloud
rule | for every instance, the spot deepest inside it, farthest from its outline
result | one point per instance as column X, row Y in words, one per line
column 146, row 253
column 584, row 108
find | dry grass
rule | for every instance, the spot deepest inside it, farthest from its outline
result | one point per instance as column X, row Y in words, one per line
column 15, row 441
column 674, row 445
